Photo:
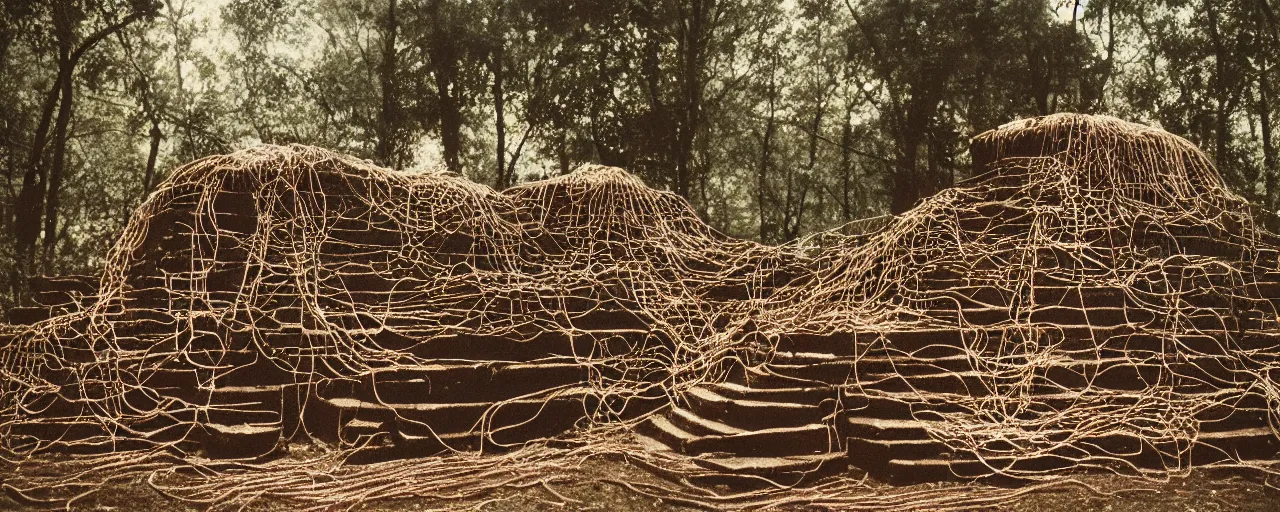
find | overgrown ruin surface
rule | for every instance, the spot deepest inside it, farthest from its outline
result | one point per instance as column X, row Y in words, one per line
column 1094, row 298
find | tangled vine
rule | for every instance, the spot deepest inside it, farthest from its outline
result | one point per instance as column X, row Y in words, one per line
column 1095, row 298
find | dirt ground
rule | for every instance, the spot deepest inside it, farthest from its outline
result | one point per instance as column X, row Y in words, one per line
column 1208, row 490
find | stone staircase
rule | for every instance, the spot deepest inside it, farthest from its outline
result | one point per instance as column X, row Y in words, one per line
column 876, row 401
column 55, row 295
column 782, row 434
column 539, row 389
column 244, row 405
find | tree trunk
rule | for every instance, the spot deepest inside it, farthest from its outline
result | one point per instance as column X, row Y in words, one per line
column 388, row 117
column 501, row 180
column 451, row 132
column 912, row 183
column 1264, row 106
column 179, row 88
column 450, row 110
column 766, row 162
column 796, row 202
column 562, row 150
column 443, row 52
column 1221, row 123
column 56, row 170
column 1268, row 145
column 906, row 180
column 148, row 178
column 515, row 155
column 813, row 134
column 691, row 43
column 1270, row 16
column 31, row 197
column 846, row 164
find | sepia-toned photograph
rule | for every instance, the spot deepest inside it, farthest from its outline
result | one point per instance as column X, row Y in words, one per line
column 640, row 255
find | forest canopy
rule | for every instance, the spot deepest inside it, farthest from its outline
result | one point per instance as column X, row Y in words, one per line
column 774, row 118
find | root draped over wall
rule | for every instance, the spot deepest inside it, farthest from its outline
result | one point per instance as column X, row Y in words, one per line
column 1094, row 298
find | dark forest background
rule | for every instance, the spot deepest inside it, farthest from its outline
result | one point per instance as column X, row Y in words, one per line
column 774, row 118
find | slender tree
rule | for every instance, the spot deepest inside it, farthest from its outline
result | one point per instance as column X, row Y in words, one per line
column 41, row 185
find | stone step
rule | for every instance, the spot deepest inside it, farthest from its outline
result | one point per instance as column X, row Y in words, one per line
column 82, row 284
column 1262, row 342
column 171, row 426
column 232, row 405
column 27, row 315
column 697, row 425
column 64, row 299
column 970, row 383
column 785, row 471
column 845, row 375
column 457, row 382
column 756, row 414
column 71, row 436
column 94, row 445
column 972, row 315
column 946, row 346
column 240, row 440
column 410, row 445
column 64, row 404
column 874, row 454
column 898, row 406
column 182, row 385
column 1093, row 316
column 382, row 447
column 912, row 471
column 505, row 347
column 243, row 368
column 854, row 343
column 811, row 394
column 1079, row 296
column 832, row 368
column 502, row 423
column 921, row 462
column 1230, row 412
column 516, row 422
column 1122, row 375
column 768, row 442
column 661, row 433
column 1117, row 374
column 772, row 442
column 358, row 432
column 50, row 430
column 1230, row 409
column 903, row 453
column 858, row 427
column 1244, row 444
column 233, row 415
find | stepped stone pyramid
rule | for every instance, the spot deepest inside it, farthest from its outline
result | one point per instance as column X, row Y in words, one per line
column 1094, row 297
